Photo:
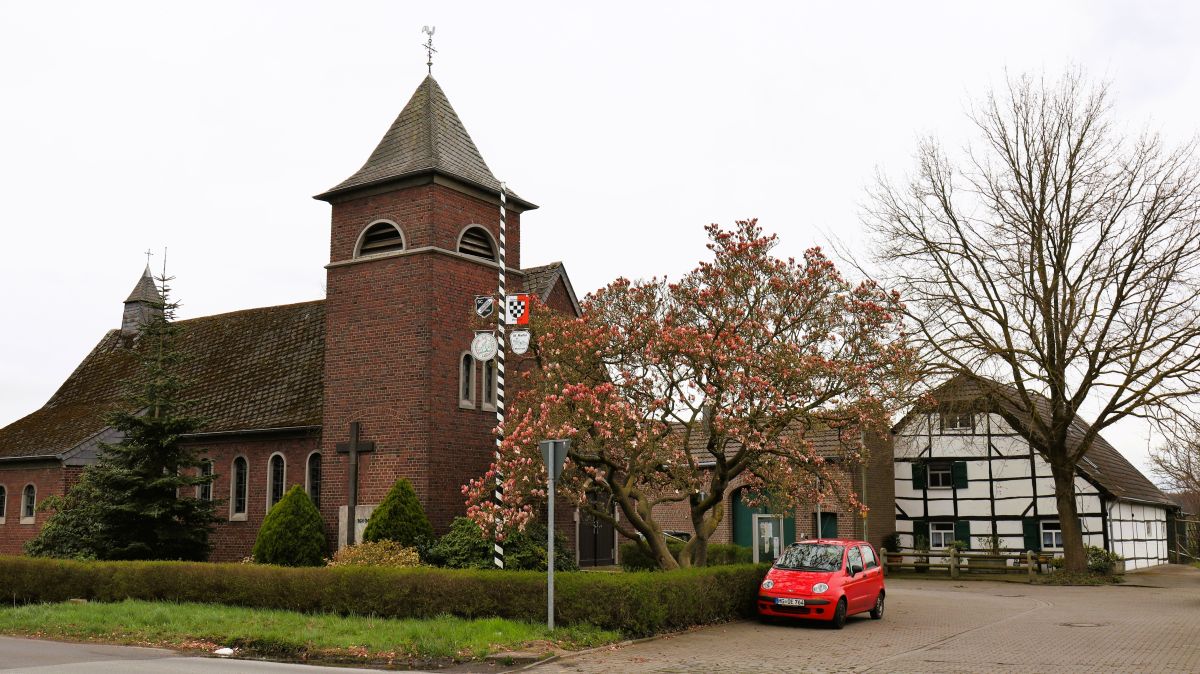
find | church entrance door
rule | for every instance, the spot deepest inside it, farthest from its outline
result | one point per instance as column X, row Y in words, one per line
column 596, row 541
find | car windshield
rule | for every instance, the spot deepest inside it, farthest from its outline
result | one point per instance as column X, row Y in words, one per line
column 811, row 557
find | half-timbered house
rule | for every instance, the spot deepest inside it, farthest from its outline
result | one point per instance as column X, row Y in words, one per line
column 963, row 473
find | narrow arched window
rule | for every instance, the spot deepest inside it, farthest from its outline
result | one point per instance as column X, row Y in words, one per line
column 275, row 476
column 313, row 478
column 237, row 500
column 380, row 237
column 466, row 381
column 3, row 502
column 489, row 384
column 204, row 490
column 28, row 503
column 476, row 241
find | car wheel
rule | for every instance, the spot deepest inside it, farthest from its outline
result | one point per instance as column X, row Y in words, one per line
column 839, row 615
column 877, row 611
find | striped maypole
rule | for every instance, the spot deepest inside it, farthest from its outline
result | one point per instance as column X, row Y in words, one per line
column 498, row 548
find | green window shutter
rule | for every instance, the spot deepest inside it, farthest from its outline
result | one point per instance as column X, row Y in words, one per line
column 962, row 532
column 1033, row 534
column 920, row 530
column 958, row 471
column 918, row 475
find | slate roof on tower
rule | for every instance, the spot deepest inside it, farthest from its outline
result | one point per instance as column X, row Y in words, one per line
column 246, row 370
column 427, row 137
column 145, row 290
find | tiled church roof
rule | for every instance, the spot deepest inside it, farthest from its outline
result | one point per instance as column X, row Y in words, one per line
column 426, row 137
column 253, row 369
column 1103, row 464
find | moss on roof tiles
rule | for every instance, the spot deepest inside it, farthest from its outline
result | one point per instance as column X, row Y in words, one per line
column 252, row 369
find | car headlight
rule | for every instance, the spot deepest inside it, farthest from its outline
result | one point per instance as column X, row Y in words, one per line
column 819, row 588
column 768, row 584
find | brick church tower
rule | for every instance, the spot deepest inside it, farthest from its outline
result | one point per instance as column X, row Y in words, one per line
column 413, row 240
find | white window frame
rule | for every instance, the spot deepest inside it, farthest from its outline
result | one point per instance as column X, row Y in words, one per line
column 28, row 519
column 943, row 530
column 3, row 503
column 308, row 474
column 270, row 472
column 1057, row 529
column 487, row 400
column 200, row 473
column 951, row 423
column 940, row 468
column 362, row 236
column 235, row 516
column 491, row 239
column 467, row 403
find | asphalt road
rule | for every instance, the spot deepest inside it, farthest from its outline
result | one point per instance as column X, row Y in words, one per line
column 33, row 655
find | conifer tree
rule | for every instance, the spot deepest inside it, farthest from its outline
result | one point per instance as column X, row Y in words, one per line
column 138, row 501
column 291, row 534
column 399, row 518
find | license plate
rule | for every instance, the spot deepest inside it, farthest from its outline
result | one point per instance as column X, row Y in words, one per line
column 788, row 601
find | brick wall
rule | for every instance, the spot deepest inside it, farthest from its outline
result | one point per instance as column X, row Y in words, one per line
column 234, row 539
column 49, row 478
column 396, row 329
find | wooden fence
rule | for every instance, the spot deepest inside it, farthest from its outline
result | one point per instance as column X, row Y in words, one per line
column 957, row 562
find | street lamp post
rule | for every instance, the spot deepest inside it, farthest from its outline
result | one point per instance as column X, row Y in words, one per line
column 554, row 453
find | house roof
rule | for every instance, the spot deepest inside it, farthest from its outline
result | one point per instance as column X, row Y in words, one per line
column 825, row 442
column 427, row 137
column 1102, row 463
column 246, row 370
column 540, row 281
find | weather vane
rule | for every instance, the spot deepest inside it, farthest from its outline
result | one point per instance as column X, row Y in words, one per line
column 429, row 50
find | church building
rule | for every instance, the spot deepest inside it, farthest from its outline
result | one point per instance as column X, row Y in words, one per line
column 414, row 237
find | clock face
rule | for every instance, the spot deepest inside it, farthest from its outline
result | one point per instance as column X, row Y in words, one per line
column 483, row 347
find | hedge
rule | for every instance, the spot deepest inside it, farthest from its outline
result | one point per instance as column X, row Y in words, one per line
column 637, row 604
column 633, row 558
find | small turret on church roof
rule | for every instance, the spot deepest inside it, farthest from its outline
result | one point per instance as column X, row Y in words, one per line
column 142, row 304
column 427, row 137
column 145, row 290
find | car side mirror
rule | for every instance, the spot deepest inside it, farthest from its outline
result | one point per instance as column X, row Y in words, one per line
column 855, row 569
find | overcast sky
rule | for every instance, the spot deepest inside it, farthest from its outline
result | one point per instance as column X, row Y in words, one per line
column 205, row 128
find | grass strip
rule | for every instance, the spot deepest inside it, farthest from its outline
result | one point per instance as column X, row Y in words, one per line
column 290, row 635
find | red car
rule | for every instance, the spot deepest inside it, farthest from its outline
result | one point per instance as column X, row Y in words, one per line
column 824, row 579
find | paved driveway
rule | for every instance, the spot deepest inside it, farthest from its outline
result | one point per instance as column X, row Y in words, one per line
column 953, row 626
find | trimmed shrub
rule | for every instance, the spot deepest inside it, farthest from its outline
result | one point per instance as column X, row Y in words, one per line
column 463, row 547
column 638, row 604
column 377, row 553
column 399, row 518
column 1102, row 561
column 633, row 558
column 291, row 533
column 466, row 547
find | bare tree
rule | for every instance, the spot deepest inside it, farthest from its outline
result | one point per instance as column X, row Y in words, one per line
column 1176, row 463
column 1057, row 258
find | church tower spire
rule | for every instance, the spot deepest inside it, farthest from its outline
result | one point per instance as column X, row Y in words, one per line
column 143, row 303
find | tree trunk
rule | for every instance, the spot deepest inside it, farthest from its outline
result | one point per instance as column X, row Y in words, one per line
column 1064, row 494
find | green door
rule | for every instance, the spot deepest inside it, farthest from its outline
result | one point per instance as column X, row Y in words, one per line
column 828, row 525
column 743, row 522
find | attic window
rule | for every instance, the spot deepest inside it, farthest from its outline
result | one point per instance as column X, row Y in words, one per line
column 476, row 241
column 380, row 237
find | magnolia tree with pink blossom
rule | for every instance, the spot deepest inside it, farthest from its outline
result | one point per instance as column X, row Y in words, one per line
column 671, row 392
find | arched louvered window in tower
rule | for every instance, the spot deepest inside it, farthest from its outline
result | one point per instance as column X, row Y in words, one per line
column 476, row 241
column 380, row 237
column 466, row 381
